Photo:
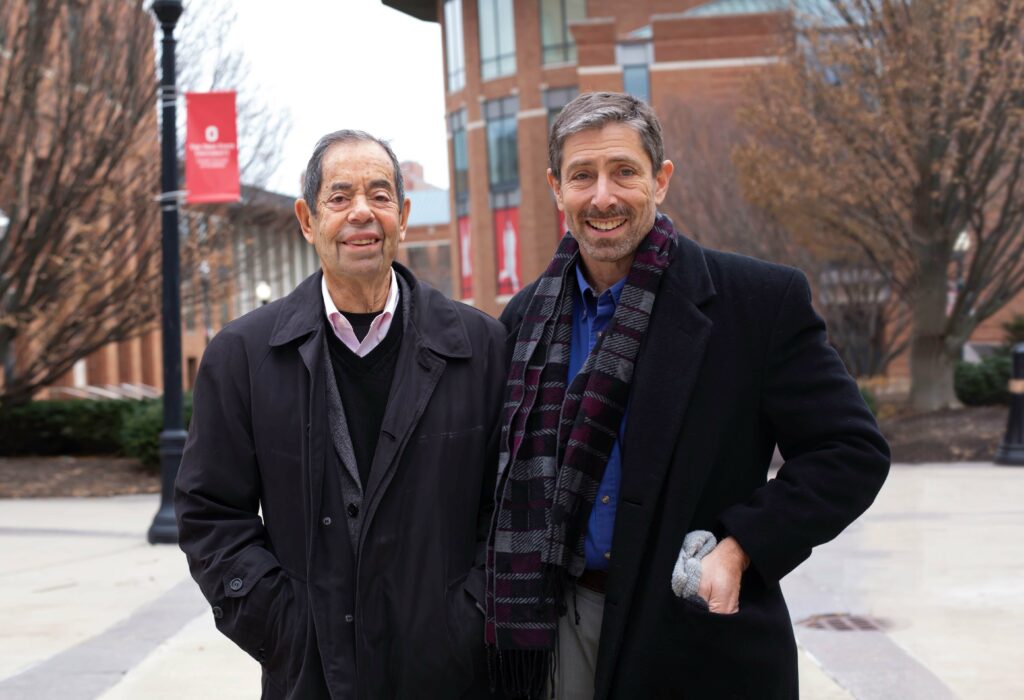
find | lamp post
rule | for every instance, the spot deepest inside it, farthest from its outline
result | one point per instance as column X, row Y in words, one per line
column 263, row 293
column 8, row 343
column 172, row 439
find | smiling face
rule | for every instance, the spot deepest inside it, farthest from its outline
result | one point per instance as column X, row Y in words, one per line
column 358, row 222
column 610, row 195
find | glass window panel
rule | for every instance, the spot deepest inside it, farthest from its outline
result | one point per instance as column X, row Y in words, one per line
column 454, row 45
column 497, row 38
column 635, row 82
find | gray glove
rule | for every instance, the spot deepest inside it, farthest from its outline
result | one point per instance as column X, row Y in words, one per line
column 686, row 574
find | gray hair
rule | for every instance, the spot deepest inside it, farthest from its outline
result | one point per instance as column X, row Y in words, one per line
column 593, row 110
column 313, row 176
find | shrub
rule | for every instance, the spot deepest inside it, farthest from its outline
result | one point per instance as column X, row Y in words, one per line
column 140, row 431
column 983, row 383
column 869, row 399
column 71, row 426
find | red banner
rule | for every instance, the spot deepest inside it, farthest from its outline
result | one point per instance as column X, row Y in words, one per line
column 465, row 258
column 211, row 148
column 506, row 232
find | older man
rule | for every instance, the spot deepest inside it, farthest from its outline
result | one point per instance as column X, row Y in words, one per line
column 360, row 414
column 650, row 381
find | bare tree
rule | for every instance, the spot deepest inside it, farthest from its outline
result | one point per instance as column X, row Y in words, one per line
column 895, row 126
column 79, row 255
column 77, row 136
column 706, row 198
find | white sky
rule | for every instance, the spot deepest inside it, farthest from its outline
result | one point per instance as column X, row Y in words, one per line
column 355, row 64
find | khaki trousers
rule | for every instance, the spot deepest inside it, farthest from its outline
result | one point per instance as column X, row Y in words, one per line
column 577, row 646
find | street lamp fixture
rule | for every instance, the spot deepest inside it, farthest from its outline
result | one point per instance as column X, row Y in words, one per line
column 204, row 283
column 263, row 293
column 961, row 245
column 164, row 529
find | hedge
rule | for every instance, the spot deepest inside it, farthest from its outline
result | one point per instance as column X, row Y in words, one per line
column 984, row 383
column 63, row 427
column 140, row 432
column 129, row 427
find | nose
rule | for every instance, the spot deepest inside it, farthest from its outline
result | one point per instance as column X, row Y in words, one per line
column 604, row 195
column 360, row 211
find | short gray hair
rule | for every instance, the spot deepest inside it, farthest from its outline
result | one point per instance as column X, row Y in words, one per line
column 313, row 176
column 594, row 110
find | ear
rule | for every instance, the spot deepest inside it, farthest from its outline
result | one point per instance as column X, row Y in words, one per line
column 305, row 217
column 403, row 223
column 556, row 189
column 662, row 178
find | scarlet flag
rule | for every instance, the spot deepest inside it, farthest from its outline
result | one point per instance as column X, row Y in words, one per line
column 211, row 148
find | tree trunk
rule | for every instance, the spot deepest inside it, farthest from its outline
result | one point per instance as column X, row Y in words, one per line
column 932, row 361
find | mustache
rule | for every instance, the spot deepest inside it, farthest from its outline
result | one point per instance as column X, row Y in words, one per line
column 618, row 211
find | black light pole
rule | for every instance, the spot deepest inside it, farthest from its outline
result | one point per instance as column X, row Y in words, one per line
column 172, row 439
column 1011, row 451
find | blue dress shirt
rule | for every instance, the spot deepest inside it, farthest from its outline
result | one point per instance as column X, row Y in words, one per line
column 590, row 315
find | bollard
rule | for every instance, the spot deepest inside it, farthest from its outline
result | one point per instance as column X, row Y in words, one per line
column 1012, row 449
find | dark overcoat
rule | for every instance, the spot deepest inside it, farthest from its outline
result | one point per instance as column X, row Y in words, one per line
column 735, row 361
column 399, row 618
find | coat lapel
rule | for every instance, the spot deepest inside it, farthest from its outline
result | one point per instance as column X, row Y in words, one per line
column 666, row 371
column 301, row 318
column 433, row 331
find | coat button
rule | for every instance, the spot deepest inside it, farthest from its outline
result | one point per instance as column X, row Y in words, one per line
column 326, row 521
column 349, row 618
column 218, row 613
column 353, row 510
column 236, row 584
column 605, row 499
column 608, row 556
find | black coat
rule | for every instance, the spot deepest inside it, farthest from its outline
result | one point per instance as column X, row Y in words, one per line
column 734, row 362
column 401, row 619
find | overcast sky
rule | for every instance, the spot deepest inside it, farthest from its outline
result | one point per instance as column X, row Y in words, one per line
column 347, row 64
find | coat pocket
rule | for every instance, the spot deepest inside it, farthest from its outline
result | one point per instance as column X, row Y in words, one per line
column 261, row 611
column 465, row 629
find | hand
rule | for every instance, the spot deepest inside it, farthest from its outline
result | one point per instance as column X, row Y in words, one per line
column 721, row 572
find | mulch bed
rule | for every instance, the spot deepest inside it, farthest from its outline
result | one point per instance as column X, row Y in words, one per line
column 961, row 435
column 952, row 435
column 51, row 477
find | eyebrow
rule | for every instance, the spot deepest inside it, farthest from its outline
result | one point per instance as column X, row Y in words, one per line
column 615, row 160
column 378, row 184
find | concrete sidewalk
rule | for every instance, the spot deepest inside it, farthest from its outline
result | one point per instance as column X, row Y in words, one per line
column 90, row 610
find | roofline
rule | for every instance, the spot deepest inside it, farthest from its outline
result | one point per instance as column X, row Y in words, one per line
column 425, row 10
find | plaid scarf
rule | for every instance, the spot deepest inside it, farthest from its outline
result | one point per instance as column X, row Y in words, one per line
column 555, row 444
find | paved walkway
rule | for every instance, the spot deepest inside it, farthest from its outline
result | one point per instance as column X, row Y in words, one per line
column 89, row 610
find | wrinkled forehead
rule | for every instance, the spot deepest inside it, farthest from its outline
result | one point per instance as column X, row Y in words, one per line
column 356, row 163
column 615, row 142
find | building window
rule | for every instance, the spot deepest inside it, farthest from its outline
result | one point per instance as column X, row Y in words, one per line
column 454, row 45
column 502, row 152
column 557, row 45
column 497, row 38
column 636, row 82
column 557, row 98
column 635, row 59
column 460, row 157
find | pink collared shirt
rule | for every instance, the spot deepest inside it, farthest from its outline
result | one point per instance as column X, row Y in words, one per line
column 378, row 328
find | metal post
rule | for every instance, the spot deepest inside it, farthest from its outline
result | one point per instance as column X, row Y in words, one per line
column 1012, row 449
column 172, row 439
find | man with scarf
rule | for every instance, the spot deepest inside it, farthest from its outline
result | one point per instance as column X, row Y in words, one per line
column 638, row 543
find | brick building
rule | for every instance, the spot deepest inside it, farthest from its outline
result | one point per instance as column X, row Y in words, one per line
column 511, row 65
